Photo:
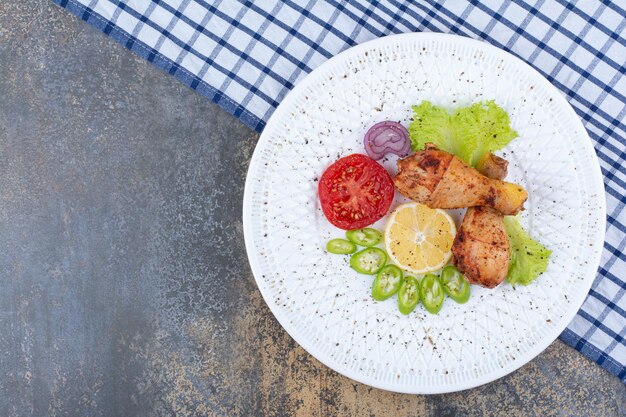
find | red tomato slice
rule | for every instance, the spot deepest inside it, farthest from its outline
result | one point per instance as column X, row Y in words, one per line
column 355, row 192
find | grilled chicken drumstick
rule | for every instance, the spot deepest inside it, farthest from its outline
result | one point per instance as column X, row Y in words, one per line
column 481, row 247
column 441, row 180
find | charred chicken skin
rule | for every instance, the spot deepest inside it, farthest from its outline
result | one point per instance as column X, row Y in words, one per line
column 481, row 249
column 439, row 179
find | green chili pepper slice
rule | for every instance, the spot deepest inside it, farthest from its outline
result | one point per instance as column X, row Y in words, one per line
column 408, row 295
column 364, row 237
column 431, row 293
column 455, row 285
column 387, row 282
column 340, row 246
column 368, row 261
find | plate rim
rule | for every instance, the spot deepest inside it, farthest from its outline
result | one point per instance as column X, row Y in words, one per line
column 329, row 362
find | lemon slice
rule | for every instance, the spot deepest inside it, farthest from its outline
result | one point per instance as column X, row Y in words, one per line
column 419, row 239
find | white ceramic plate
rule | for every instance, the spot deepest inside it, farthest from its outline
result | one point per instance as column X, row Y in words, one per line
column 327, row 308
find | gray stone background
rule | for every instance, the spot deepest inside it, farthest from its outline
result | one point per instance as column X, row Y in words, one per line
column 124, row 284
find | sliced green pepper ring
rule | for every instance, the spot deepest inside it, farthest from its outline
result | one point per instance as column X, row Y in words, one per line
column 431, row 293
column 368, row 261
column 364, row 237
column 408, row 295
column 340, row 246
column 455, row 284
column 387, row 282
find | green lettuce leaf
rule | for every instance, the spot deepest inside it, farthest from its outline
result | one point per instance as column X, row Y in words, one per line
column 482, row 128
column 529, row 258
column 469, row 133
column 433, row 124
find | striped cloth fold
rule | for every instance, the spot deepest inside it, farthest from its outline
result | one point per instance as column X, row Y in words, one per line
column 246, row 56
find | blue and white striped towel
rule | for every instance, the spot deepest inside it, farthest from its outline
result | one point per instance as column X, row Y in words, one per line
column 246, row 55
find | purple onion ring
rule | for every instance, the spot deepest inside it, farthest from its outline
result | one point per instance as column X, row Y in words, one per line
column 387, row 137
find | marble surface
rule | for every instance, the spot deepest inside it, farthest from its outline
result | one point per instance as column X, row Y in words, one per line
column 124, row 284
